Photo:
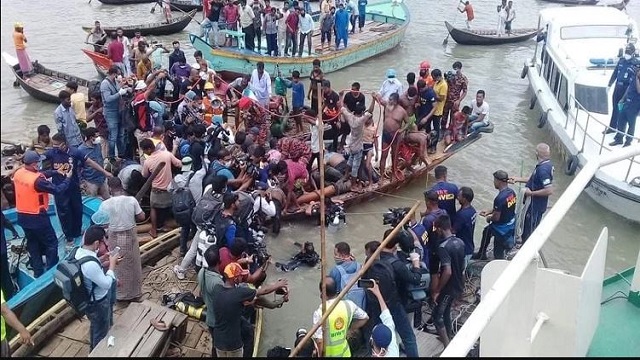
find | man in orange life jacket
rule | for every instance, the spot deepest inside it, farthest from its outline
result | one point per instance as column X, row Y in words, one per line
column 32, row 203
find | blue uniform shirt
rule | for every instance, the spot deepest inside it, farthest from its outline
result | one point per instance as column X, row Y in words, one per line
column 505, row 203
column 427, row 222
column 541, row 177
column 60, row 159
column 464, row 226
column 427, row 102
column 447, row 193
column 633, row 97
column 297, row 95
column 623, row 72
column 88, row 173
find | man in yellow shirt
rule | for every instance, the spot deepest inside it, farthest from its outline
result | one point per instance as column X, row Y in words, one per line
column 12, row 319
column 441, row 88
column 78, row 103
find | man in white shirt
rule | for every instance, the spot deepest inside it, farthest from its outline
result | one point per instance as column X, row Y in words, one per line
column 260, row 83
column 479, row 112
column 126, row 56
column 306, row 31
column 352, row 6
column 99, row 285
column 246, row 22
column 282, row 26
column 384, row 342
column 390, row 85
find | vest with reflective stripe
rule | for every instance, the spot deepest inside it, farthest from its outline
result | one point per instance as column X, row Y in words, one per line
column 28, row 199
column 339, row 322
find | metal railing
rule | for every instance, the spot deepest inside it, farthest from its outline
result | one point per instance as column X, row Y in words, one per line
column 482, row 315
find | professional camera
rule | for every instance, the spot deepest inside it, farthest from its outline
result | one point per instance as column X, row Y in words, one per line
column 258, row 249
column 333, row 213
column 244, row 160
column 217, row 132
column 394, row 216
column 449, row 76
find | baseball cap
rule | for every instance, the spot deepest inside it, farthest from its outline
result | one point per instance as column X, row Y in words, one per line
column 381, row 336
column 190, row 95
column 501, row 175
column 31, row 157
column 186, row 163
column 301, row 332
column 140, row 85
column 234, row 270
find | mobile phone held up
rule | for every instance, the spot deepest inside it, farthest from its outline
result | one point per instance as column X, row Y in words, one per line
column 115, row 251
column 365, row 283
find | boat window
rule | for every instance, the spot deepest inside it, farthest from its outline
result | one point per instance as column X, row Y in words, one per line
column 556, row 80
column 593, row 31
column 592, row 98
column 548, row 70
column 562, row 93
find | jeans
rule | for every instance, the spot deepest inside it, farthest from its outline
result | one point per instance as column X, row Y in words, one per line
column 531, row 220
column 69, row 208
column 301, row 45
column 404, row 329
column 325, row 36
column 354, row 162
column 475, row 124
column 628, row 117
column 442, row 312
column 249, row 34
column 100, row 314
column 272, row 44
column 116, row 133
column 42, row 241
column 361, row 19
column 292, row 41
column 618, row 93
column 185, row 230
column 212, row 28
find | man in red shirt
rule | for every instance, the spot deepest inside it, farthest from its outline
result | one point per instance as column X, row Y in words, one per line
column 293, row 22
column 115, row 52
column 238, row 253
column 142, row 97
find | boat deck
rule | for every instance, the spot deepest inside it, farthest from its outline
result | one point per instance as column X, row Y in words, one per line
column 51, row 85
column 371, row 30
column 617, row 332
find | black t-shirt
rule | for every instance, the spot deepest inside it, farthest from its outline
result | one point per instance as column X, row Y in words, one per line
column 353, row 103
column 451, row 253
column 214, row 13
column 196, row 151
column 228, row 306
column 331, row 100
column 196, row 87
column 505, row 203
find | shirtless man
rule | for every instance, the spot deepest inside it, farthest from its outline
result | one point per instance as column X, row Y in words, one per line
column 409, row 101
column 336, row 169
column 394, row 117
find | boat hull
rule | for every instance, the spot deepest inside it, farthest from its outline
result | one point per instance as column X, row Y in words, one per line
column 573, row 2
column 185, row 6
column 243, row 61
column 126, row 2
column 465, row 37
column 156, row 29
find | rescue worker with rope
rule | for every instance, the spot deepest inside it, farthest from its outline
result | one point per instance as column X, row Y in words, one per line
column 32, row 203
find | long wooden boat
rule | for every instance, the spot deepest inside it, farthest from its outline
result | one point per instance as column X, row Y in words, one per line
column 36, row 295
column 101, row 62
column 126, row 2
column 158, row 28
column 45, row 84
column 573, row 2
column 488, row 37
column 384, row 29
column 185, row 5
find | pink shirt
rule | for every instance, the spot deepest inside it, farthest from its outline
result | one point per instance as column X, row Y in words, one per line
column 296, row 171
column 231, row 14
column 164, row 177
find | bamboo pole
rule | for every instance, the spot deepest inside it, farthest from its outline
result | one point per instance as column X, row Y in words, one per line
column 323, row 240
column 354, row 279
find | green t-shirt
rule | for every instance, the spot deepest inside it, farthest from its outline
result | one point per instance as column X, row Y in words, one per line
column 208, row 281
column 4, row 329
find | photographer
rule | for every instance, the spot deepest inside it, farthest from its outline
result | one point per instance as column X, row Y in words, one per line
column 222, row 166
column 238, row 252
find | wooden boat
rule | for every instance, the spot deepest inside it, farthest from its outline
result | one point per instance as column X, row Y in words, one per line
column 185, row 5
column 573, row 2
column 35, row 295
column 384, row 29
column 159, row 28
column 45, row 84
column 126, row 2
column 488, row 37
column 101, row 62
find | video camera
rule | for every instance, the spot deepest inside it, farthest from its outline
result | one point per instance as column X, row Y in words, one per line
column 449, row 76
column 394, row 216
column 244, row 160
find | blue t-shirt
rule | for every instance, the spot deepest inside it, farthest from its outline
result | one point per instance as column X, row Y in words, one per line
column 88, row 173
column 447, row 194
column 464, row 226
column 427, row 222
column 60, row 159
column 505, row 203
column 362, row 7
column 218, row 169
column 297, row 94
column 427, row 102
column 633, row 97
column 263, row 173
column 541, row 177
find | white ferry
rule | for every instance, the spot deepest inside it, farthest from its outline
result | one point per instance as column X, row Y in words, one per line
column 569, row 74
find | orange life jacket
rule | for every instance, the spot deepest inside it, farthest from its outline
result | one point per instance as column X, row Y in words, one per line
column 28, row 199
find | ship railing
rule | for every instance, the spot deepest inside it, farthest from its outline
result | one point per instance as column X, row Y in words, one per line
column 501, row 289
column 582, row 130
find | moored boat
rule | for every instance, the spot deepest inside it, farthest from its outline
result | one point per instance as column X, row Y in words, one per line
column 45, row 84
column 384, row 29
column 185, row 5
column 488, row 37
column 573, row 2
column 176, row 25
column 101, row 62
column 126, row 2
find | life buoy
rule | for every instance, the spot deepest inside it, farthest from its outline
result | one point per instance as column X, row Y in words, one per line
column 532, row 103
column 542, row 121
column 572, row 165
column 524, row 72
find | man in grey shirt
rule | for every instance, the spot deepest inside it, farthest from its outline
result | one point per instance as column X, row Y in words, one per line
column 111, row 108
column 66, row 122
column 356, row 121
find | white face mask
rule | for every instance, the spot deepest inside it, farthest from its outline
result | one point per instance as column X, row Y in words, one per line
column 627, row 56
column 97, row 141
column 211, row 95
column 119, row 77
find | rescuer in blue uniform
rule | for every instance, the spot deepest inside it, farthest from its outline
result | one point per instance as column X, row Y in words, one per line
column 630, row 105
column 539, row 187
column 622, row 76
column 447, row 192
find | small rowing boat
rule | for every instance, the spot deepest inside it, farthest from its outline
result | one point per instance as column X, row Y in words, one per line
column 45, row 84
column 176, row 25
column 101, row 62
column 488, row 37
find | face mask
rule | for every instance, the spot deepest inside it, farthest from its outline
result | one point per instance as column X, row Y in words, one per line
column 211, row 95
column 97, row 141
column 119, row 77
column 338, row 261
column 627, row 56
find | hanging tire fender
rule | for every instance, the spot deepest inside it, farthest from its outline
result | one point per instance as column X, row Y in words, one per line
column 542, row 121
column 571, row 165
column 533, row 102
column 525, row 70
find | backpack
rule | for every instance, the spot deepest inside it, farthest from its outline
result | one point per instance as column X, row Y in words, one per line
column 209, row 205
column 356, row 293
column 183, row 148
column 182, row 202
column 383, row 273
column 70, row 280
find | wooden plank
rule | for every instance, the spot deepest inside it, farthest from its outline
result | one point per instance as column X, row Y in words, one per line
column 73, row 349
column 50, row 346
column 193, row 338
column 192, row 353
column 46, row 332
column 60, row 349
column 428, row 344
column 84, row 351
column 151, row 344
column 123, row 332
column 205, row 342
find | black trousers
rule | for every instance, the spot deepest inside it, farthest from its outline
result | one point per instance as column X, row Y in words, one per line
column 69, row 207
column 249, row 34
column 618, row 93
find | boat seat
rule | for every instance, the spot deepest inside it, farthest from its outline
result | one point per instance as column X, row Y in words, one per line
column 237, row 34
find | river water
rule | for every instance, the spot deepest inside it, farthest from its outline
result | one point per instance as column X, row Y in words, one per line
column 55, row 39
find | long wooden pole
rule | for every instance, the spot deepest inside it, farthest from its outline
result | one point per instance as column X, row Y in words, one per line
column 345, row 290
column 323, row 240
